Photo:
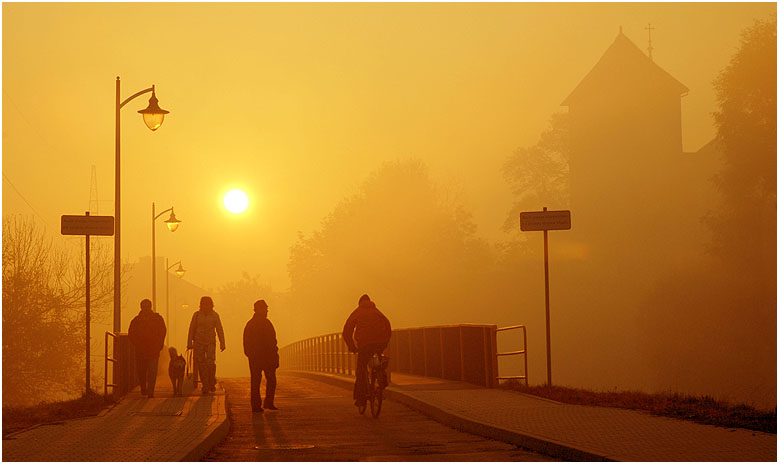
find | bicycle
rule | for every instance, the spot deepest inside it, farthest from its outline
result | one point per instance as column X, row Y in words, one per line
column 376, row 381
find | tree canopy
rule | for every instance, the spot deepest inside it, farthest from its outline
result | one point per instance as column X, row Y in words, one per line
column 539, row 175
column 399, row 239
column 746, row 120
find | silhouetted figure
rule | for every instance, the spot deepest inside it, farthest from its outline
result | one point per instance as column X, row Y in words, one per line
column 372, row 333
column 200, row 338
column 147, row 333
column 260, row 347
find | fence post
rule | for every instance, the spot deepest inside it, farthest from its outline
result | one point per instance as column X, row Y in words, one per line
column 425, row 353
column 460, row 336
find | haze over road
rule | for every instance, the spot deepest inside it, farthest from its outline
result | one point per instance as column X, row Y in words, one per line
column 317, row 421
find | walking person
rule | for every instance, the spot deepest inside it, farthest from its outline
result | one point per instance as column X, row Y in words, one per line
column 147, row 333
column 260, row 347
column 200, row 338
column 372, row 332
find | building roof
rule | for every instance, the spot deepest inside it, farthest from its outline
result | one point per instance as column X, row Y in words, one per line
column 624, row 62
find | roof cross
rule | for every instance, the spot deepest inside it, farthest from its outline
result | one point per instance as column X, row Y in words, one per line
column 650, row 30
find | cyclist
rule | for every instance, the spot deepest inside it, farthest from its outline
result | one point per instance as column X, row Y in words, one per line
column 372, row 332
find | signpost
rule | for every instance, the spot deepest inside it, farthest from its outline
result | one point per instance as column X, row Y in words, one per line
column 544, row 221
column 77, row 225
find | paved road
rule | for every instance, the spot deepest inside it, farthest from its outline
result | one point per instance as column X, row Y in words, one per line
column 318, row 422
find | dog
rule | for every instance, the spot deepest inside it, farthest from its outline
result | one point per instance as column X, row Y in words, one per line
column 176, row 368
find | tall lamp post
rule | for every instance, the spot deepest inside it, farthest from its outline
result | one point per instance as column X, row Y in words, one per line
column 153, row 117
column 173, row 225
column 179, row 272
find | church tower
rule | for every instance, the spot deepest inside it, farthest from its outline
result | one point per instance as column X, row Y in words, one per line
column 626, row 134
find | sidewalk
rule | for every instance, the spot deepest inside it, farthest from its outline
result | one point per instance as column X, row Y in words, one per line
column 137, row 429
column 571, row 432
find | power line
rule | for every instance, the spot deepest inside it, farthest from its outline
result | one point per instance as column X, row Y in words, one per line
column 25, row 200
column 46, row 223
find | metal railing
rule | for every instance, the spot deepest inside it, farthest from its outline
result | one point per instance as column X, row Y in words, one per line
column 458, row 352
column 107, row 359
column 523, row 352
column 327, row 353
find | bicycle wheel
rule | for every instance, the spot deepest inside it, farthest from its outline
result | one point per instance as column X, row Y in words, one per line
column 376, row 394
column 362, row 408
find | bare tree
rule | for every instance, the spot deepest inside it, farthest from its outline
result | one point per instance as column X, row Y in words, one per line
column 43, row 312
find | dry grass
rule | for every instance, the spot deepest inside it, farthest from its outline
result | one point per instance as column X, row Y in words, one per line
column 702, row 409
column 18, row 418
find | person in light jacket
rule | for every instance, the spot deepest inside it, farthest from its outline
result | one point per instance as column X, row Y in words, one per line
column 200, row 338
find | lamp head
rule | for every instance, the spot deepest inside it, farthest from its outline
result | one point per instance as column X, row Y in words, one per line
column 153, row 114
column 172, row 222
column 180, row 271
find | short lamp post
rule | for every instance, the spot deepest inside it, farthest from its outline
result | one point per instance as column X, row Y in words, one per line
column 173, row 225
column 179, row 272
column 153, row 116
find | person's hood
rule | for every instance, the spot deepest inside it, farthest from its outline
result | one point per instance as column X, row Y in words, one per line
column 367, row 304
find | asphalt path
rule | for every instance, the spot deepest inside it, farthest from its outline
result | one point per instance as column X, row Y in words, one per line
column 318, row 422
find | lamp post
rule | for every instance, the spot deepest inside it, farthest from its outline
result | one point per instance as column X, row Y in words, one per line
column 153, row 116
column 173, row 225
column 179, row 272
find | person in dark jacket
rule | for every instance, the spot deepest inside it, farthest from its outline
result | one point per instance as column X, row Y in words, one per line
column 372, row 332
column 260, row 347
column 147, row 333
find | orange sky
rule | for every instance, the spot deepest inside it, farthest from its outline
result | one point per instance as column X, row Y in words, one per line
column 298, row 103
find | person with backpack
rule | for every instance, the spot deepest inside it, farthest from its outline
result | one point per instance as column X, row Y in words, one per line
column 200, row 338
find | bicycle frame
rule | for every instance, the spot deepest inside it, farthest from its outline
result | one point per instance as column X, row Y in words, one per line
column 376, row 381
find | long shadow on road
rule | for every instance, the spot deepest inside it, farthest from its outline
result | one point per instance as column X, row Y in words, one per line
column 317, row 422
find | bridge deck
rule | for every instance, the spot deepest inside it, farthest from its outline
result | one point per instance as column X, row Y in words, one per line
column 317, row 422
column 312, row 413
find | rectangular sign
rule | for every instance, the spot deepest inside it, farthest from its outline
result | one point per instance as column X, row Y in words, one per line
column 82, row 225
column 545, row 220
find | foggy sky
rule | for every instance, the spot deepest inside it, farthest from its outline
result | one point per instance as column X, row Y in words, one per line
column 297, row 104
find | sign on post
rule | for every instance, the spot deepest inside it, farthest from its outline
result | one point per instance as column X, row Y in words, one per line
column 78, row 225
column 85, row 225
column 543, row 221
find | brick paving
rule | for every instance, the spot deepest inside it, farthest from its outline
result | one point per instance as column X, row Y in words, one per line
column 575, row 431
column 173, row 429
column 318, row 422
column 138, row 429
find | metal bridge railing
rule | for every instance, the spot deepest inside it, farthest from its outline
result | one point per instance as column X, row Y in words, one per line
column 107, row 359
column 523, row 352
column 465, row 352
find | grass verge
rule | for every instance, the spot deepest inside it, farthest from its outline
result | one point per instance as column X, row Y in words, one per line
column 19, row 418
column 703, row 409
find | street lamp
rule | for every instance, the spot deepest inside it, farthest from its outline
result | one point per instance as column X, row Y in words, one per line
column 153, row 117
column 179, row 272
column 173, row 225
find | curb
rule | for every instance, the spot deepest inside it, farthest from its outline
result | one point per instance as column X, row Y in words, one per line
column 528, row 441
column 212, row 438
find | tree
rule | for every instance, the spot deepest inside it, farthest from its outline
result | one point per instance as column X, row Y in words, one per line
column 539, row 175
column 719, row 315
column 397, row 239
column 746, row 120
column 43, row 313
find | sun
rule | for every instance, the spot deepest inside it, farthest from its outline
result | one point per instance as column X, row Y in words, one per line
column 236, row 201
